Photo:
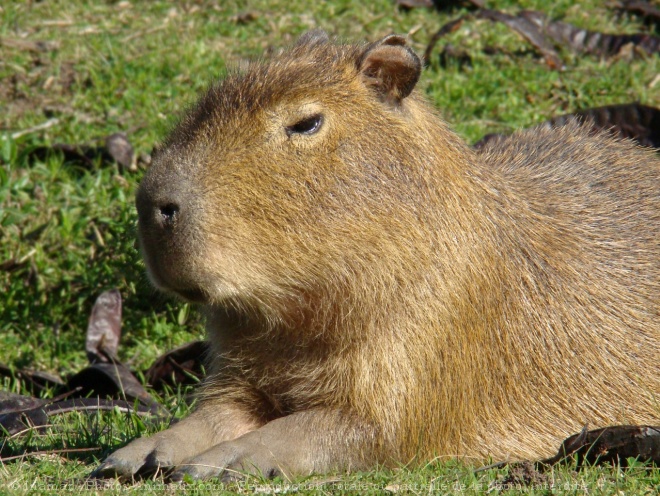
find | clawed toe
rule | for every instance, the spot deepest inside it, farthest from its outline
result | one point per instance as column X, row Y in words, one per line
column 114, row 469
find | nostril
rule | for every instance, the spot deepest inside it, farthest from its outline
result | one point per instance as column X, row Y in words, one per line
column 168, row 213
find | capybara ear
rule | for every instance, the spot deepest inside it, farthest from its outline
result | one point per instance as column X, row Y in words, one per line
column 313, row 37
column 391, row 67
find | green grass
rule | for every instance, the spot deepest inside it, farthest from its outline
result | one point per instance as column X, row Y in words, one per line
column 120, row 66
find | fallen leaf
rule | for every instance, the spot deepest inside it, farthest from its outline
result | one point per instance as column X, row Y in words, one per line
column 32, row 381
column 110, row 380
column 121, row 150
column 643, row 9
column 244, row 17
column 39, row 416
column 439, row 4
column 182, row 365
column 529, row 30
column 412, row 4
column 104, row 328
column 614, row 445
column 30, row 45
column 447, row 28
column 12, row 402
column 591, row 42
column 630, row 120
column 115, row 148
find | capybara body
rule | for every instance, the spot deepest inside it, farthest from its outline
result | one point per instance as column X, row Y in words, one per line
column 377, row 291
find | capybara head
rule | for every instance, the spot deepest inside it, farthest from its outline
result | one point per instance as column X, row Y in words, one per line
column 277, row 171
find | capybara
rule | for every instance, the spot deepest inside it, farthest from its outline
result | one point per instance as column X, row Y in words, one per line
column 377, row 292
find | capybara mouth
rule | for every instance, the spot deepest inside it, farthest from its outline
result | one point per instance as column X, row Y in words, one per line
column 191, row 295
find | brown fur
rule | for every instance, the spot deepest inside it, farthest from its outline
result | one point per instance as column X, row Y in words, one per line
column 379, row 292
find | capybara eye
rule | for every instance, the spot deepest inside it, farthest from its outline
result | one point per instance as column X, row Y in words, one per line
column 308, row 125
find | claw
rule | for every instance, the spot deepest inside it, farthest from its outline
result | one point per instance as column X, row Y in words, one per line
column 229, row 476
column 101, row 472
column 177, row 476
column 108, row 470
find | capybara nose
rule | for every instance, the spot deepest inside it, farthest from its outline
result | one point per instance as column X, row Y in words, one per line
column 160, row 209
column 162, row 201
column 162, row 215
column 167, row 215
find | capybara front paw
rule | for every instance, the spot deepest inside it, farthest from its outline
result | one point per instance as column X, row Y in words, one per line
column 230, row 461
column 140, row 458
